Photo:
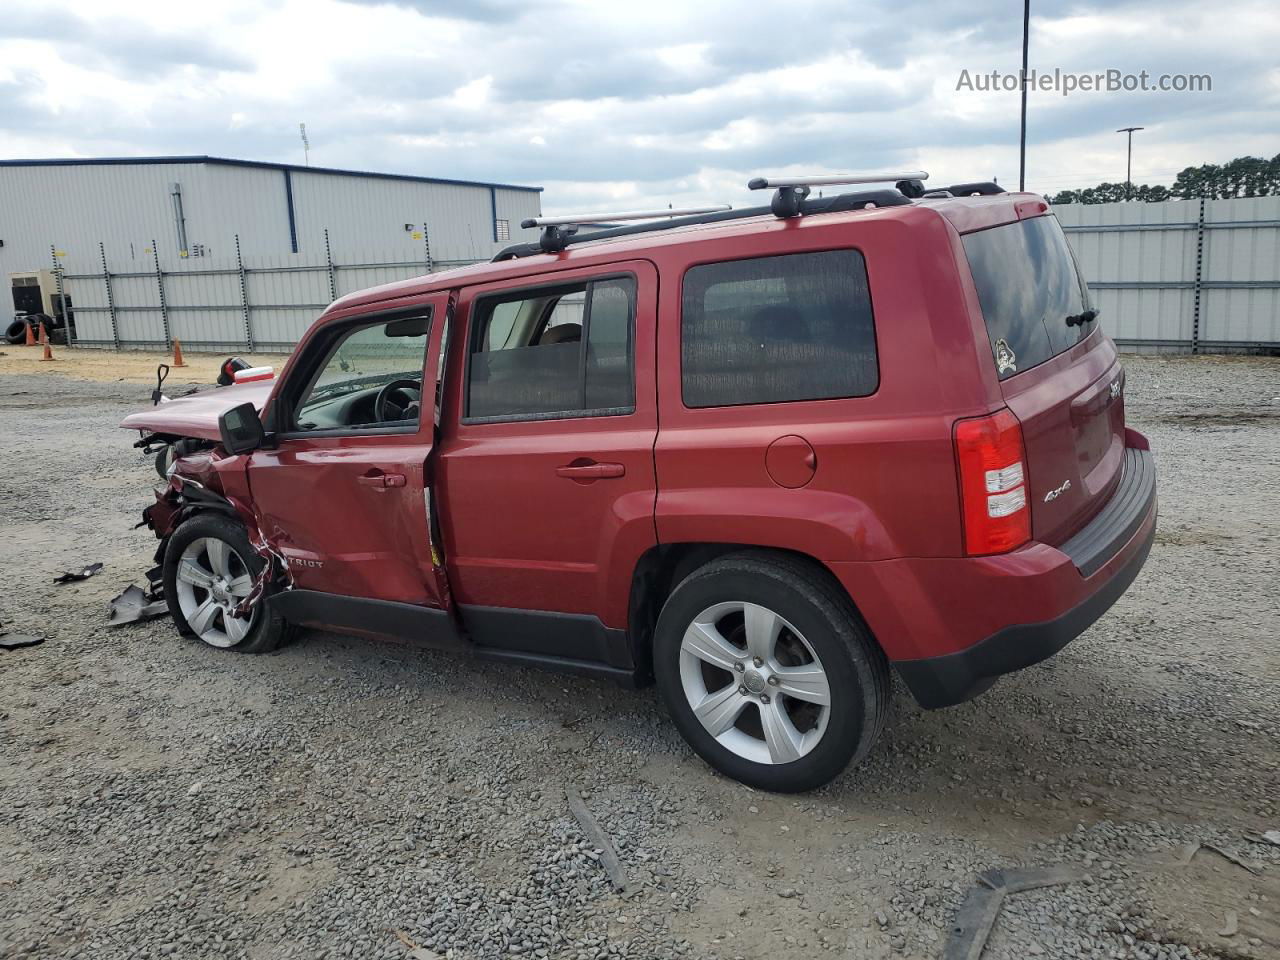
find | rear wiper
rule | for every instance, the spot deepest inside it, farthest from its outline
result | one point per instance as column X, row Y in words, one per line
column 1080, row 319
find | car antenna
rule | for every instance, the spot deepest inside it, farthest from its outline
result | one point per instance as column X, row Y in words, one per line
column 556, row 231
column 791, row 191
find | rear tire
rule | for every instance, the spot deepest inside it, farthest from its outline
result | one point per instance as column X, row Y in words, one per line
column 756, row 642
column 209, row 566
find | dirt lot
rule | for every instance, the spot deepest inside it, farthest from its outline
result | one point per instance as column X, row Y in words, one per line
column 342, row 798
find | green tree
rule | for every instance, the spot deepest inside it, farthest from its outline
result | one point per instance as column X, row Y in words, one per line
column 1241, row 177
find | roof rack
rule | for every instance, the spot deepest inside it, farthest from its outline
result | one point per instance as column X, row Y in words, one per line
column 792, row 191
column 556, row 231
column 833, row 204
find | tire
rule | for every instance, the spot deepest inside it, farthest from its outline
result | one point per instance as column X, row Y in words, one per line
column 193, row 541
column 16, row 332
column 164, row 457
column 813, row 625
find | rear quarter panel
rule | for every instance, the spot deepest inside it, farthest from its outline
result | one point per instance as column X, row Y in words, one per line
column 884, row 484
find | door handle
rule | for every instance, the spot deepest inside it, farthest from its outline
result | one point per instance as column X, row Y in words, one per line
column 591, row 471
column 381, row 479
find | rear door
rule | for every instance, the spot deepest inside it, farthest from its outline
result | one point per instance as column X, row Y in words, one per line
column 546, row 473
column 1059, row 374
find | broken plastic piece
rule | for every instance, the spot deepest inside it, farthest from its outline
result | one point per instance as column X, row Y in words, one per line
column 978, row 913
column 15, row 641
column 134, row 605
column 84, row 573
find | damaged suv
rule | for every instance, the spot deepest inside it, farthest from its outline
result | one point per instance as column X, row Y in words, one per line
column 759, row 456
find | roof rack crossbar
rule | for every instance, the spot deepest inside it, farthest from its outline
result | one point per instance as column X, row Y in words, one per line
column 582, row 219
column 833, row 204
column 557, row 231
column 763, row 183
column 791, row 192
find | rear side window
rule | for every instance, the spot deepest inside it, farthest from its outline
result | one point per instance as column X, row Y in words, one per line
column 777, row 329
column 1028, row 286
column 561, row 351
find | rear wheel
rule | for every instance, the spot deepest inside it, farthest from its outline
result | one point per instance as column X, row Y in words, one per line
column 209, row 569
column 769, row 673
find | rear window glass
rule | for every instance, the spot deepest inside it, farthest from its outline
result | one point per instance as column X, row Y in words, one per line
column 1028, row 286
column 776, row 329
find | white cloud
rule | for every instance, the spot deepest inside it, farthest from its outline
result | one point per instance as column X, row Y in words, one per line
column 634, row 104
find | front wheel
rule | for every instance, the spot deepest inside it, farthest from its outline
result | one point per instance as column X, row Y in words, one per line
column 768, row 672
column 209, row 569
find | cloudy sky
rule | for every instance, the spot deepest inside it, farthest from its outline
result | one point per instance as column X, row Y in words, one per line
column 638, row 103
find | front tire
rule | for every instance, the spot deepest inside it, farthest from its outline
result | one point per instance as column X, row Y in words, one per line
column 209, row 567
column 768, row 672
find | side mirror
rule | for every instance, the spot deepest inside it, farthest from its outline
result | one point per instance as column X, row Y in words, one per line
column 241, row 429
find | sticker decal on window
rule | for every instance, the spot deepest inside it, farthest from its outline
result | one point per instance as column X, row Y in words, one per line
column 1006, row 360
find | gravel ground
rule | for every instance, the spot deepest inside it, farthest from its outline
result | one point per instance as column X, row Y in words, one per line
column 346, row 798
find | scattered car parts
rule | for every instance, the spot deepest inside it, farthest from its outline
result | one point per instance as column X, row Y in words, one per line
column 15, row 641
column 598, row 839
column 84, row 573
column 135, row 604
column 978, row 913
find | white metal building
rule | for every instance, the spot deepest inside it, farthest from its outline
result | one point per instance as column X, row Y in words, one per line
column 155, row 248
column 200, row 204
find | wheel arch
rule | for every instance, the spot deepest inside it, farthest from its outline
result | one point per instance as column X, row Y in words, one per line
column 661, row 568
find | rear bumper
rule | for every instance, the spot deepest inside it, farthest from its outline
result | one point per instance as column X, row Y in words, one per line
column 957, row 625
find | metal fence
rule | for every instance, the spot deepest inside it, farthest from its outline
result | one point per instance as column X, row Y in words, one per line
column 1186, row 276
column 1183, row 276
column 261, row 303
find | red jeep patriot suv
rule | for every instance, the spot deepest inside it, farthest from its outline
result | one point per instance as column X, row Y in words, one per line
column 759, row 456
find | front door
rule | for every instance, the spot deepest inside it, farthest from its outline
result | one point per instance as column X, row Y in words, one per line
column 343, row 493
column 546, row 467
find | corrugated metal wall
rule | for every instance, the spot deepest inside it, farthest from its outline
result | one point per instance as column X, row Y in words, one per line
column 347, row 232
column 211, row 303
column 1182, row 276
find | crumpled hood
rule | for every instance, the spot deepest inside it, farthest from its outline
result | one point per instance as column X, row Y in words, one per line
column 197, row 415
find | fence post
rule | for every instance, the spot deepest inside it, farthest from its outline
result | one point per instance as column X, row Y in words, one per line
column 111, row 303
column 62, row 294
column 426, row 242
column 328, row 257
column 1195, row 316
column 244, row 299
column 164, row 304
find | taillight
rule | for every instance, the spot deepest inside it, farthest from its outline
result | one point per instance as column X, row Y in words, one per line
column 993, row 483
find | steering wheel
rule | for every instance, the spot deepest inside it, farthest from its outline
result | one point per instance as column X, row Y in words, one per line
column 386, row 409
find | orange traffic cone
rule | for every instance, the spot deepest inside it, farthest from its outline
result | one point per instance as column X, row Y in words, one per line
column 44, row 340
column 177, row 354
column 31, row 335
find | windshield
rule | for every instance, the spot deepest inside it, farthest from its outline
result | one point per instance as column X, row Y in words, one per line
column 1033, row 300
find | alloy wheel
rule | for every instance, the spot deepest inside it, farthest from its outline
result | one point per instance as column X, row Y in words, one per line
column 754, row 682
column 212, row 580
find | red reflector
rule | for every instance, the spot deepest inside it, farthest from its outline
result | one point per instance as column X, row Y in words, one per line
column 993, row 492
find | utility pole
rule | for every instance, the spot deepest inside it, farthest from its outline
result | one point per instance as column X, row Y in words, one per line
column 1022, row 139
column 306, row 145
column 1128, row 167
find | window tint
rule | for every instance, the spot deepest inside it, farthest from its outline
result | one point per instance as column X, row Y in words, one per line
column 774, row 329
column 562, row 351
column 1028, row 285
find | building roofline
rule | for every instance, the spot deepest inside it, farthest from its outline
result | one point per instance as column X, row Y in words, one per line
column 259, row 164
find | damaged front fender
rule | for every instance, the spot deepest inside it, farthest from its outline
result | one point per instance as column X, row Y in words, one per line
column 197, row 484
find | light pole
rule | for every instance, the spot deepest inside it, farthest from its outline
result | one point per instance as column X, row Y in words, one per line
column 1022, row 137
column 1128, row 167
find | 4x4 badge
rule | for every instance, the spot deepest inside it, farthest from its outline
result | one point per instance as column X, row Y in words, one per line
column 1006, row 359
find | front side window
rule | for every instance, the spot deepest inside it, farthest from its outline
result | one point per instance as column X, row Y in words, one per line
column 371, row 377
column 553, row 351
column 777, row 329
